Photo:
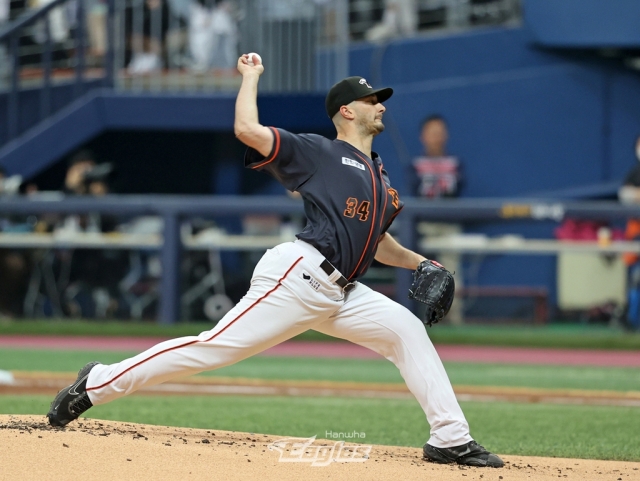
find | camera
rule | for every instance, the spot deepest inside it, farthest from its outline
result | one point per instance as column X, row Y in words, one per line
column 99, row 173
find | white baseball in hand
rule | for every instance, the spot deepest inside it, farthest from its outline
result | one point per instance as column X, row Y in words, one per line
column 253, row 58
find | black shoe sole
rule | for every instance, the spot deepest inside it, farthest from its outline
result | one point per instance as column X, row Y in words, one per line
column 433, row 455
column 53, row 413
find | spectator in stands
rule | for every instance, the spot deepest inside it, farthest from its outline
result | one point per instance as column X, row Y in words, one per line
column 146, row 27
column 14, row 277
column 97, row 29
column 400, row 18
column 437, row 175
column 4, row 58
column 629, row 193
column 213, row 35
column 85, row 176
column 13, row 266
column 4, row 11
column 81, row 163
column 93, row 275
column 58, row 23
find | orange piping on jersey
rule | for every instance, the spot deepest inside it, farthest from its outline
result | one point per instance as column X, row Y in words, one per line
column 196, row 341
column 384, row 209
column 386, row 196
column 373, row 220
column 275, row 150
column 390, row 221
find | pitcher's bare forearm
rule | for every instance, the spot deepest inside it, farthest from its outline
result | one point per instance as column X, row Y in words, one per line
column 391, row 253
column 246, row 105
column 247, row 125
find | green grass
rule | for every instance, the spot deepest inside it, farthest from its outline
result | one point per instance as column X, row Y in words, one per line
column 54, row 360
column 73, row 327
column 598, row 432
column 569, row 336
column 550, row 377
column 357, row 370
column 553, row 335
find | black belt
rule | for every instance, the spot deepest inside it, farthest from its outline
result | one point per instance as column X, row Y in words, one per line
column 341, row 281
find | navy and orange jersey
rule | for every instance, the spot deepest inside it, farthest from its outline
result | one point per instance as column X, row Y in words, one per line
column 348, row 199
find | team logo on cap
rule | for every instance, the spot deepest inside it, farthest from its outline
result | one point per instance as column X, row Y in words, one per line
column 363, row 81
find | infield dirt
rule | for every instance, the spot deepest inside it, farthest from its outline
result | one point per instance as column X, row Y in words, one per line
column 107, row 450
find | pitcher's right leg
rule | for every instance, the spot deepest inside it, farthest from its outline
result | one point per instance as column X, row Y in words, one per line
column 289, row 294
column 268, row 314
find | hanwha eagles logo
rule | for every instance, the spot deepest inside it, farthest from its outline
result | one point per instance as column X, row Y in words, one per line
column 363, row 81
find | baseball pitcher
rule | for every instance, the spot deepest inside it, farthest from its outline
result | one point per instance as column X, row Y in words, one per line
column 312, row 283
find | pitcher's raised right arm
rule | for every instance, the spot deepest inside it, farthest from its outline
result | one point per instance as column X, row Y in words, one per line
column 247, row 126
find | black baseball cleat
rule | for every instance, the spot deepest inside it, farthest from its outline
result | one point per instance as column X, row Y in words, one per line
column 470, row 454
column 72, row 401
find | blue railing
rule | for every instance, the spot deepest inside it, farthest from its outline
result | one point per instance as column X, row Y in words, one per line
column 175, row 209
column 11, row 35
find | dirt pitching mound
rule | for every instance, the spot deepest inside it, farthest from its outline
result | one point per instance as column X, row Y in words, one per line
column 107, row 450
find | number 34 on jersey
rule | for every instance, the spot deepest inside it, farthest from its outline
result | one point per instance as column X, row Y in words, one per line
column 361, row 208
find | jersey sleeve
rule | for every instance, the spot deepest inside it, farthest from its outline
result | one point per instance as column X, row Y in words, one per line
column 398, row 207
column 291, row 160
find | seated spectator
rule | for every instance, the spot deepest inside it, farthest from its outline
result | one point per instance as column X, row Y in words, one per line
column 92, row 289
column 14, row 263
column 14, row 277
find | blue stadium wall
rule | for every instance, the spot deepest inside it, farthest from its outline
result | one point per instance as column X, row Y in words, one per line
column 525, row 120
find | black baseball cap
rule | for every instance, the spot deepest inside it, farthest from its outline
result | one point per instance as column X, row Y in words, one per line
column 350, row 89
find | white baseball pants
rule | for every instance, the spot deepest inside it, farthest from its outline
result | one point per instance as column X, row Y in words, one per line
column 290, row 294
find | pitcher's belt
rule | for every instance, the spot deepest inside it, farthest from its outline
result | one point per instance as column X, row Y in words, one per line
column 341, row 281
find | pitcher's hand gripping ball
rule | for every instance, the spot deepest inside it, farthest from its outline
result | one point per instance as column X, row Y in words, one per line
column 253, row 59
column 434, row 286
